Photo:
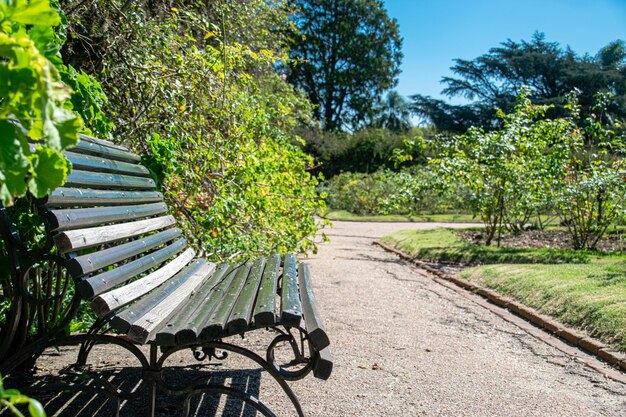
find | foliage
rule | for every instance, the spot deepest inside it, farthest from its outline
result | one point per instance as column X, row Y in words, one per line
column 393, row 113
column 367, row 150
column 444, row 245
column 194, row 88
column 492, row 80
column 31, row 94
column 593, row 193
column 411, row 191
column 344, row 215
column 10, row 398
column 508, row 172
column 346, row 54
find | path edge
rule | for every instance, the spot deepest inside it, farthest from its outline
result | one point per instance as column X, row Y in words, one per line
column 546, row 323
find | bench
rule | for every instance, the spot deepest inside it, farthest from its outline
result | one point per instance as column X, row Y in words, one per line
column 109, row 232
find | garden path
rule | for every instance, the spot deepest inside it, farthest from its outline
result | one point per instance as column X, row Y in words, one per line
column 407, row 346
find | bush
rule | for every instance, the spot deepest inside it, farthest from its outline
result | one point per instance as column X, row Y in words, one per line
column 364, row 151
column 592, row 194
column 509, row 172
column 414, row 190
column 194, row 88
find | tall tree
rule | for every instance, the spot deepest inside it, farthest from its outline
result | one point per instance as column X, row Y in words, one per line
column 348, row 54
column 394, row 113
column 551, row 72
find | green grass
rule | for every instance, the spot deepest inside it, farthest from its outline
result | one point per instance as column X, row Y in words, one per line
column 343, row 215
column 584, row 290
column 591, row 297
column 443, row 245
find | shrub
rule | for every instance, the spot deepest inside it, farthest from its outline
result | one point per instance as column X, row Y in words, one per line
column 592, row 195
column 414, row 190
column 508, row 172
column 33, row 96
column 366, row 151
column 194, row 88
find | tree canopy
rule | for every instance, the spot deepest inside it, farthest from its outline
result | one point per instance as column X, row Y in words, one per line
column 494, row 79
column 346, row 55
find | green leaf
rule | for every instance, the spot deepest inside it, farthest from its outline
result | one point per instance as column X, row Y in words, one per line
column 35, row 12
column 50, row 170
column 62, row 129
column 35, row 408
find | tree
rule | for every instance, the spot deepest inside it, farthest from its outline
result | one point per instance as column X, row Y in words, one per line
column 492, row 80
column 347, row 54
column 591, row 196
column 508, row 172
column 394, row 113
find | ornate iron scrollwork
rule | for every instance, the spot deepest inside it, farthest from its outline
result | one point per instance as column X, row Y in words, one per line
column 208, row 353
column 298, row 358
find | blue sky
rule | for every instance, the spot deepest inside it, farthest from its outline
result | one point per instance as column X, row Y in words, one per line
column 435, row 32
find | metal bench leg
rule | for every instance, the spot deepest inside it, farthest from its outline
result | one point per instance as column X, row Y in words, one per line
column 152, row 377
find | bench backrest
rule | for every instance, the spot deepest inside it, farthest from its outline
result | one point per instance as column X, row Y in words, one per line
column 112, row 227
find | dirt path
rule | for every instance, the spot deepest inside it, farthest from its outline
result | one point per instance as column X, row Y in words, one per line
column 438, row 354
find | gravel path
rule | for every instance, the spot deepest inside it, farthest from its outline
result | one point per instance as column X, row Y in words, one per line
column 437, row 353
column 403, row 346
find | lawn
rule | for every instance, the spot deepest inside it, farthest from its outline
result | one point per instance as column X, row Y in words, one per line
column 343, row 215
column 585, row 290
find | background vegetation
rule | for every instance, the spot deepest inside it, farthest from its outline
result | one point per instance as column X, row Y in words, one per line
column 193, row 88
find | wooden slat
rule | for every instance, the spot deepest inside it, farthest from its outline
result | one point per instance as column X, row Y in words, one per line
column 265, row 306
column 105, row 180
column 323, row 364
column 123, row 319
column 106, row 151
column 91, row 262
column 102, row 142
column 73, row 240
column 190, row 331
column 181, row 328
column 100, row 283
column 313, row 322
column 94, row 261
column 147, row 325
column 68, row 219
column 291, row 309
column 82, row 197
column 98, row 164
column 241, row 314
column 119, row 297
column 216, row 323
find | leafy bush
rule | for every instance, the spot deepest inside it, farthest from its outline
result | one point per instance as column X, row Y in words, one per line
column 508, row 172
column 32, row 94
column 592, row 195
column 194, row 89
column 414, row 190
column 364, row 151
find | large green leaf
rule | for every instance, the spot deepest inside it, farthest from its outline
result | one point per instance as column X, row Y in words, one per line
column 33, row 12
column 50, row 170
